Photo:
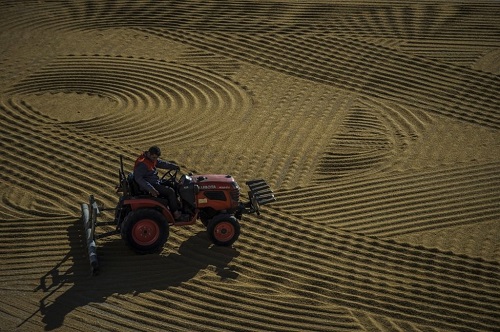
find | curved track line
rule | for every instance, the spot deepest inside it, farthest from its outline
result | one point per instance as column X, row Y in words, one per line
column 295, row 85
column 374, row 70
column 402, row 204
column 170, row 91
column 370, row 68
column 358, row 273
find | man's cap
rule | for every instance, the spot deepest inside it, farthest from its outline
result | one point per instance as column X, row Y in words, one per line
column 155, row 150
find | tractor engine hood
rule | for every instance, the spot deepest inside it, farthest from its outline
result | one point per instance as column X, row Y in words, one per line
column 216, row 191
column 215, row 182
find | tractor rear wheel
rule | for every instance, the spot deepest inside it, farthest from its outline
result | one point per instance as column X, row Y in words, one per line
column 223, row 230
column 145, row 231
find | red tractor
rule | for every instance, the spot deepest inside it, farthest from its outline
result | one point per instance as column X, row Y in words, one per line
column 143, row 221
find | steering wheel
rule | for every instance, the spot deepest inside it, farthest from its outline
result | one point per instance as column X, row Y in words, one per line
column 172, row 176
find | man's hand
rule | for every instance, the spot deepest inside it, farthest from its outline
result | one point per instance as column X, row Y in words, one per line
column 153, row 192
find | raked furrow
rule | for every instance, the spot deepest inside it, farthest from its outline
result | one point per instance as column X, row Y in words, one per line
column 401, row 203
column 409, row 283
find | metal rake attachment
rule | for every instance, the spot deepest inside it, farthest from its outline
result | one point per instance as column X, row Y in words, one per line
column 260, row 192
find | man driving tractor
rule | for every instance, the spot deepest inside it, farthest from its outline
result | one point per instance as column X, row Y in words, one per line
column 144, row 221
column 146, row 176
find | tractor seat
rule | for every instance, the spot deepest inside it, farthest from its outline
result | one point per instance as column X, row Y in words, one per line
column 135, row 190
column 134, row 187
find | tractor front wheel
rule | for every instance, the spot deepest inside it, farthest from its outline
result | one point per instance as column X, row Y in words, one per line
column 223, row 230
column 145, row 231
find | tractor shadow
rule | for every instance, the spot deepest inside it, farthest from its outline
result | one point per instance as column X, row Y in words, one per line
column 124, row 272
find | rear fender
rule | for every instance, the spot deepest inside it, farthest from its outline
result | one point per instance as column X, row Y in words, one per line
column 150, row 203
